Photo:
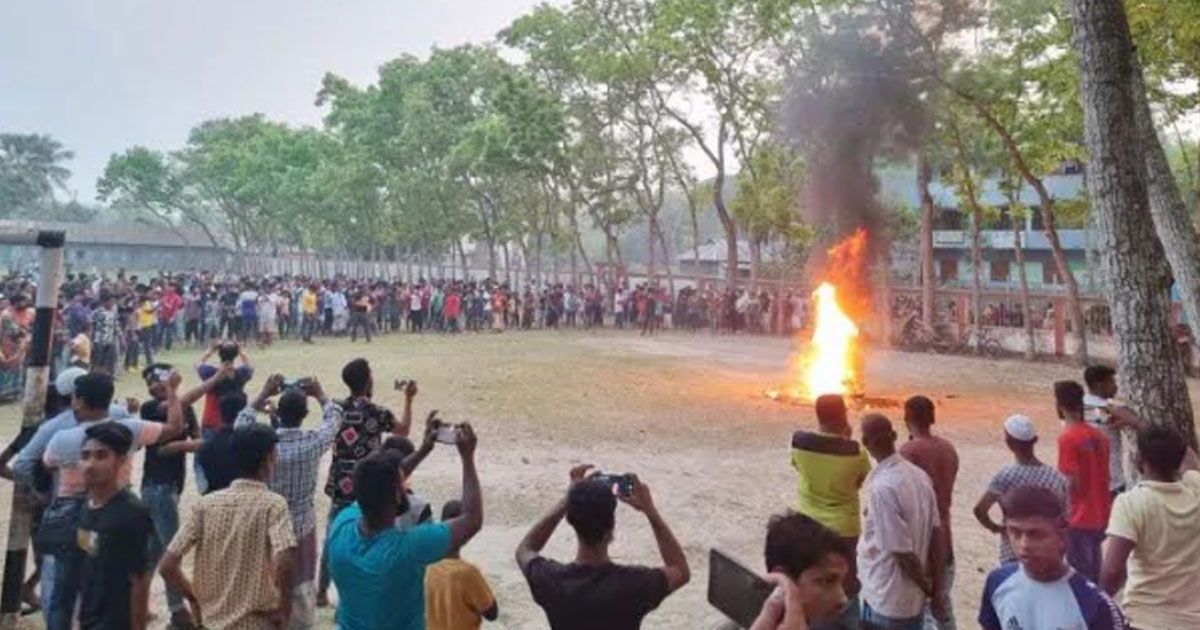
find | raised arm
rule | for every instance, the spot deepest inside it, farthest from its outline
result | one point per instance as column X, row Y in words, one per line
column 203, row 360
column 405, row 426
column 465, row 526
column 410, row 463
column 675, row 564
column 196, row 393
column 535, row 540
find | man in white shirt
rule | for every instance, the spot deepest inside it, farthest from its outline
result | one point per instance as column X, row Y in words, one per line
column 1153, row 545
column 898, row 563
column 1101, row 383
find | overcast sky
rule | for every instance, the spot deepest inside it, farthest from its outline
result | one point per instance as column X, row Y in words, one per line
column 104, row 75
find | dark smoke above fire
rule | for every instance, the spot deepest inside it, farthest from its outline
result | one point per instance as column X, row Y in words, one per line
column 855, row 102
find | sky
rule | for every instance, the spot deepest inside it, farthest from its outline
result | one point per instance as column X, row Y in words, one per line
column 101, row 76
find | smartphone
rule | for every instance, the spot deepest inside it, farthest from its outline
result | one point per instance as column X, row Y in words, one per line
column 161, row 375
column 446, row 433
column 736, row 591
column 295, row 383
column 399, row 384
column 622, row 485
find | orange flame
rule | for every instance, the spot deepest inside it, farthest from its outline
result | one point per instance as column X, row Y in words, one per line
column 832, row 363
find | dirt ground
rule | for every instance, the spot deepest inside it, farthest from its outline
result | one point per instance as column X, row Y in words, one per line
column 687, row 413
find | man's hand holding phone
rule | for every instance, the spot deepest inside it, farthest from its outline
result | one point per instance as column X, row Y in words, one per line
column 784, row 609
column 639, row 496
column 466, row 441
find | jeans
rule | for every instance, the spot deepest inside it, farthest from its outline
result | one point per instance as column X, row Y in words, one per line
column 163, row 502
column 104, row 357
column 145, row 339
column 64, row 577
column 166, row 331
column 323, row 577
column 308, row 327
column 191, row 332
column 1083, row 551
column 947, row 587
column 359, row 319
column 891, row 623
column 46, row 588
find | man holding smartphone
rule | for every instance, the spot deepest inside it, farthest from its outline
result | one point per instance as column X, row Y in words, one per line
column 592, row 591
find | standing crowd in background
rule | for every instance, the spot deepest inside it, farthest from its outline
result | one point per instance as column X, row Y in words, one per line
column 121, row 322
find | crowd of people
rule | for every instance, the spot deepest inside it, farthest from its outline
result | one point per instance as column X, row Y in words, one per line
column 122, row 321
column 1070, row 536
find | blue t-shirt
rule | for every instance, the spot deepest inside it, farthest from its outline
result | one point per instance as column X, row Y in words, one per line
column 1014, row 601
column 381, row 579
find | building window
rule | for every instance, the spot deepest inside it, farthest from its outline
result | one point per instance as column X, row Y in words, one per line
column 948, row 269
column 1050, row 273
column 1000, row 270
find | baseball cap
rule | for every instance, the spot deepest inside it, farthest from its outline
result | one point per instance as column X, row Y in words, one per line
column 65, row 383
column 1020, row 428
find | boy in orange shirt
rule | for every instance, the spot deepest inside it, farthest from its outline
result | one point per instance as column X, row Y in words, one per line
column 457, row 597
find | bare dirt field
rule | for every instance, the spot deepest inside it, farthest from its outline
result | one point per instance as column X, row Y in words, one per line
column 687, row 413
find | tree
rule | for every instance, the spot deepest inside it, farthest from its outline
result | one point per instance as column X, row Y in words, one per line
column 1022, row 86
column 723, row 53
column 31, row 171
column 149, row 186
column 1151, row 367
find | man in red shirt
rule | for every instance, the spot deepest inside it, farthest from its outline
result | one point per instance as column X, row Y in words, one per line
column 451, row 309
column 1083, row 460
column 938, row 458
column 168, row 307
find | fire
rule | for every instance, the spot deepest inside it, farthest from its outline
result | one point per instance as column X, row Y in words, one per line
column 832, row 363
column 830, row 367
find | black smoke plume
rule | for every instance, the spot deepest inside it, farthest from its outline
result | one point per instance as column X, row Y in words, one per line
column 855, row 103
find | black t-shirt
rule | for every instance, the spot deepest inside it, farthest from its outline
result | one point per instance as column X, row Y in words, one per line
column 114, row 540
column 605, row 597
column 216, row 460
column 166, row 469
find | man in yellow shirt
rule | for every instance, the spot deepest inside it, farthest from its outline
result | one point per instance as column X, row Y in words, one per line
column 147, row 319
column 1153, row 546
column 457, row 597
column 832, row 468
column 308, row 309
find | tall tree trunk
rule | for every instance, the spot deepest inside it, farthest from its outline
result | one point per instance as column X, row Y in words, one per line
column 462, row 257
column 977, row 274
column 507, row 263
column 695, row 238
column 1048, row 224
column 651, row 241
column 928, row 281
column 964, row 165
column 755, row 258
column 662, row 240
column 538, row 257
column 1167, row 206
column 1150, row 363
column 731, row 231
column 1026, row 311
column 574, row 268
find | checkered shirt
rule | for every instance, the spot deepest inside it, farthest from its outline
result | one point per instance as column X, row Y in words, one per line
column 298, row 456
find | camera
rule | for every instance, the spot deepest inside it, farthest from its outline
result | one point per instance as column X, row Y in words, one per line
column 447, row 433
column 621, row 485
column 300, row 383
column 160, row 375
